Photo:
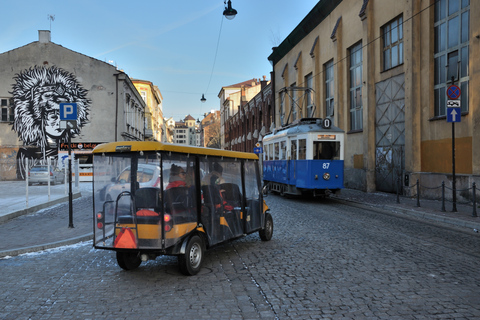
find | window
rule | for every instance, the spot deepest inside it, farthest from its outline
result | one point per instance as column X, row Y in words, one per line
column 276, row 152
column 309, row 95
column 326, row 150
column 329, row 88
column 293, row 150
column 302, row 149
column 144, row 95
column 283, row 150
column 8, row 111
column 451, row 33
column 356, row 107
column 282, row 109
column 393, row 44
column 293, row 102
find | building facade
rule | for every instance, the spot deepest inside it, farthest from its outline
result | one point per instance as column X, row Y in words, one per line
column 154, row 127
column 183, row 131
column 380, row 69
column 210, row 134
column 246, row 111
column 35, row 79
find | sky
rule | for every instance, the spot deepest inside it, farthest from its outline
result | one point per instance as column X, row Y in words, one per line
column 186, row 48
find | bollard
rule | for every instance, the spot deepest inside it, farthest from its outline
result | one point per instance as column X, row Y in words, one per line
column 474, row 214
column 443, row 196
column 418, row 193
column 398, row 188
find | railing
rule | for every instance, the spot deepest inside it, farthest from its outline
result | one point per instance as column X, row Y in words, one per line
column 417, row 186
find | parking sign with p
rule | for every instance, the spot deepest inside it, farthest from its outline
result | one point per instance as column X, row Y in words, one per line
column 68, row 111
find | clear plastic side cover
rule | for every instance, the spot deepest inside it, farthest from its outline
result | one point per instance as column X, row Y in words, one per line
column 117, row 181
column 111, row 177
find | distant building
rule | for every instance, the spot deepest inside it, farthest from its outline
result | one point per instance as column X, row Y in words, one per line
column 210, row 134
column 246, row 114
column 183, row 131
column 154, row 127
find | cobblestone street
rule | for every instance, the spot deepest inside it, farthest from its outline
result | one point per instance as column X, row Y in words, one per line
column 325, row 261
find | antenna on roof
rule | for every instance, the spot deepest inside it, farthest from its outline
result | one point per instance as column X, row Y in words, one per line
column 51, row 17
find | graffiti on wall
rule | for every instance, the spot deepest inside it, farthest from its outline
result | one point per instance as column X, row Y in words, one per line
column 8, row 163
column 37, row 94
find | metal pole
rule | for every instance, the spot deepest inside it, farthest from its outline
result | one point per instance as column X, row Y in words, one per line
column 474, row 188
column 454, row 189
column 70, row 195
column 49, row 167
column 443, row 196
column 26, row 182
column 398, row 188
column 418, row 193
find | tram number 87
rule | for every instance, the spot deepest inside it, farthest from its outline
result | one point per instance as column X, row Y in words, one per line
column 326, row 165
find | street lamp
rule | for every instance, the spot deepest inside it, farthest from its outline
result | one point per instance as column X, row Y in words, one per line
column 203, row 98
column 229, row 12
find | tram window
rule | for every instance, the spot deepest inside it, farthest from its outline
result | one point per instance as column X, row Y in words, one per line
column 283, row 150
column 270, row 151
column 277, row 151
column 326, row 150
column 302, row 149
column 293, row 150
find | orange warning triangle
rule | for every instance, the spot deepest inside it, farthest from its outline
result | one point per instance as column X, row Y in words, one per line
column 125, row 239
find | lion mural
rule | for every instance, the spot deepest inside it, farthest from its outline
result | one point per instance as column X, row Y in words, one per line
column 37, row 95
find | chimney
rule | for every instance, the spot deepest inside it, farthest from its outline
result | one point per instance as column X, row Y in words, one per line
column 263, row 83
column 44, row 36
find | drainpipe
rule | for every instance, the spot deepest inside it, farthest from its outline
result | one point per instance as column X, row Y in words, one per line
column 116, row 105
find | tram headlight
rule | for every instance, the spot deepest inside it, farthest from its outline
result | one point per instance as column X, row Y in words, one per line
column 326, row 176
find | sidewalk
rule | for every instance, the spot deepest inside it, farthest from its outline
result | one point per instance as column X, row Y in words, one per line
column 429, row 210
column 46, row 224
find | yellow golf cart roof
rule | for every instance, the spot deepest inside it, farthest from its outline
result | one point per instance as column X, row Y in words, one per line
column 137, row 146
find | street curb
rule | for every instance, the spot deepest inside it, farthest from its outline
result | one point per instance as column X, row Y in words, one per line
column 387, row 209
column 19, row 251
column 33, row 209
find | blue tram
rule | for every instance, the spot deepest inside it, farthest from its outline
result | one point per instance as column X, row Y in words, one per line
column 305, row 157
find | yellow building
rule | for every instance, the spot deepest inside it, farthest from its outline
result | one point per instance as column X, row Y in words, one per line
column 380, row 69
column 154, row 114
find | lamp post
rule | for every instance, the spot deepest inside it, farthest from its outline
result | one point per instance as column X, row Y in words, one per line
column 229, row 12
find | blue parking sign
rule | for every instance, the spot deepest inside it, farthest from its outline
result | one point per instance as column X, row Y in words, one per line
column 68, row 111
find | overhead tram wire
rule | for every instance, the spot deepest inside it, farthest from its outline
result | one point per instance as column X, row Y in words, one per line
column 214, row 59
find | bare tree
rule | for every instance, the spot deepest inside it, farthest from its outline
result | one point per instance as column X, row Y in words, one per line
column 213, row 135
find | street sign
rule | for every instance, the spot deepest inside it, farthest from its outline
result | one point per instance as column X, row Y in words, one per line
column 68, row 124
column 453, row 92
column 68, row 111
column 454, row 113
column 257, row 150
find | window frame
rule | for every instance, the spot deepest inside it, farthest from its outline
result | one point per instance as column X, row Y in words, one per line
column 329, row 88
column 356, row 86
column 7, row 113
column 389, row 30
column 446, row 49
